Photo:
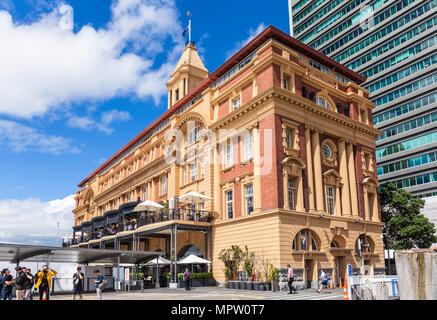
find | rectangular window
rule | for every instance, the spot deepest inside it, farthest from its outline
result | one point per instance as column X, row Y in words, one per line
column 115, row 204
column 202, row 167
column 249, row 198
column 247, row 143
column 193, row 135
column 285, row 82
column 288, row 138
column 319, row 66
column 330, row 199
column 163, row 185
column 236, row 103
column 193, row 172
column 185, row 175
column 291, row 194
column 229, row 204
column 228, row 155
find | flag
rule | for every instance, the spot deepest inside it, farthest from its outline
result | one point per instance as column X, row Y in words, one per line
column 185, row 31
column 188, row 13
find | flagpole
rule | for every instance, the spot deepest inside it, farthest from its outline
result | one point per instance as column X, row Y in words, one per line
column 189, row 31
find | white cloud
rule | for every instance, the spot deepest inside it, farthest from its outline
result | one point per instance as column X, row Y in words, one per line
column 252, row 34
column 20, row 138
column 106, row 119
column 32, row 220
column 46, row 65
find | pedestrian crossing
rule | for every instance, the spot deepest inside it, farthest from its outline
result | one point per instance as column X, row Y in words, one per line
column 266, row 295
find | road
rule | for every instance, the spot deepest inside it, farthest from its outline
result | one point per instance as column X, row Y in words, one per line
column 212, row 293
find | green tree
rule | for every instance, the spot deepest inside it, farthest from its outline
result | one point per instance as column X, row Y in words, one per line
column 407, row 227
column 231, row 258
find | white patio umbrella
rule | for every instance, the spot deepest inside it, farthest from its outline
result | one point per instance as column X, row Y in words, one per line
column 193, row 259
column 161, row 261
column 193, row 197
column 148, row 205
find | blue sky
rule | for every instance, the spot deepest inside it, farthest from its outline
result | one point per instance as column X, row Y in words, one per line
column 77, row 87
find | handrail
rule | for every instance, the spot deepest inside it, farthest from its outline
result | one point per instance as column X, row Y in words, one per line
column 150, row 217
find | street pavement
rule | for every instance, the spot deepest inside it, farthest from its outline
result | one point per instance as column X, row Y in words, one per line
column 211, row 293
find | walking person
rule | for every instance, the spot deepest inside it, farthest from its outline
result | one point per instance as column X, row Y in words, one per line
column 28, row 284
column 99, row 283
column 290, row 277
column 187, row 279
column 19, row 283
column 8, row 281
column 324, row 279
column 44, row 281
column 78, row 283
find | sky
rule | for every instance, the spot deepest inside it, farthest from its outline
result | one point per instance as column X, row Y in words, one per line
column 79, row 79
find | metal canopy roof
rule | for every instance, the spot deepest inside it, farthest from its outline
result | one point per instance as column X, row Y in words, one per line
column 17, row 253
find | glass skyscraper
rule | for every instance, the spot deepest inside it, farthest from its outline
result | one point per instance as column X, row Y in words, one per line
column 394, row 45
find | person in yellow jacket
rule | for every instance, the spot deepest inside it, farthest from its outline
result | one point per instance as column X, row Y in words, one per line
column 44, row 282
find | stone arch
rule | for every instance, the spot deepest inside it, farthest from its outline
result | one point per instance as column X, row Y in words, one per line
column 368, row 244
column 191, row 116
column 339, row 241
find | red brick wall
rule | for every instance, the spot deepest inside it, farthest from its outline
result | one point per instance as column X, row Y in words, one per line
column 353, row 112
column 247, row 92
column 298, row 84
column 272, row 193
column 223, row 108
column 268, row 77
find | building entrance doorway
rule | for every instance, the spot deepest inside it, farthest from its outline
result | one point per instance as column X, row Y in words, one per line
column 340, row 269
column 309, row 273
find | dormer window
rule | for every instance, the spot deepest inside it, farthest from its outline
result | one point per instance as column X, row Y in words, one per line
column 318, row 66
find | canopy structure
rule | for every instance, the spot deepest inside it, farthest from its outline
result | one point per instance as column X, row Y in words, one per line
column 193, row 259
column 16, row 253
column 148, row 205
column 161, row 261
column 193, row 197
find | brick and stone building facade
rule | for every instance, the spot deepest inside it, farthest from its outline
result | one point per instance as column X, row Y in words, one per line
column 285, row 151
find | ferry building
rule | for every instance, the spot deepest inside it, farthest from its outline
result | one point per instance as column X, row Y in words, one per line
column 274, row 150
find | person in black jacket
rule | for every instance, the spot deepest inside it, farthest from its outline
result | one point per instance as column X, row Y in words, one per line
column 20, row 282
column 78, row 283
column 28, row 284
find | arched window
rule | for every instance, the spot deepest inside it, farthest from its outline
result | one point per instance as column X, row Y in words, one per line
column 301, row 241
column 323, row 102
column 189, row 250
column 327, row 151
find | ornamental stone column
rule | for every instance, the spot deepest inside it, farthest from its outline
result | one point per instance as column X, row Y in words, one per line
column 310, row 173
column 317, row 170
column 345, row 195
column 257, row 170
column 352, row 178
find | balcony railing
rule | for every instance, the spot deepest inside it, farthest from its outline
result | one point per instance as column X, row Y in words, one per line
column 144, row 219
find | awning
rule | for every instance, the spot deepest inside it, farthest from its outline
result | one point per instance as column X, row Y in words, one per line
column 112, row 216
column 98, row 222
column 17, row 253
column 87, row 226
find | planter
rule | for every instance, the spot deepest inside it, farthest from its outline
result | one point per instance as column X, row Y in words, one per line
column 268, row 286
column 275, row 286
column 255, row 285
column 231, row 284
column 262, row 287
column 241, row 285
column 249, row 285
